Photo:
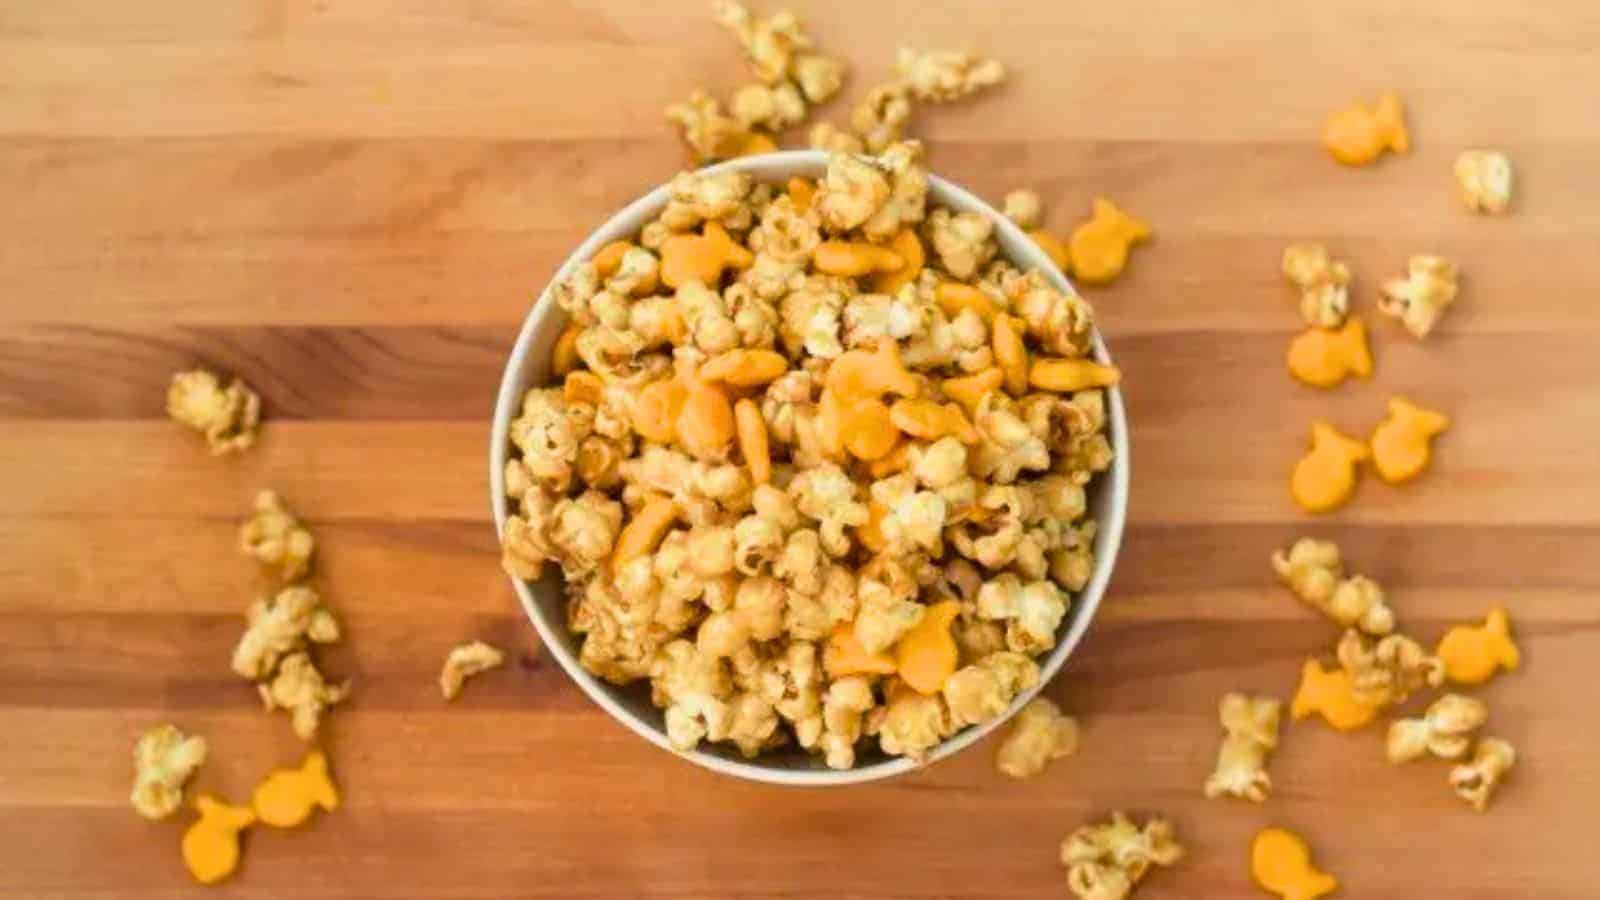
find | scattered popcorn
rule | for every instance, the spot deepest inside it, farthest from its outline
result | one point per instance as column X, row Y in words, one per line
column 1476, row 782
column 226, row 416
column 770, row 44
column 1024, row 207
column 1444, row 730
column 1472, row 654
column 770, row 108
column 464, row 661
column 1388, row 671
column 1323, row 358
column 1280, row 862
column 1313, row 570
column 1325, row 478
column 277, row 539
column 880, row 119
column 287, row 797
column 1421, row 298
column 710, row 133
column 1358, row 134
column 281, row 625
column 211, row 845
column 1251, row 727
column 940, row 76
column 829, row 137
column 299, row 688
column 1107, row 861
column 1484, row 179
column 163, row 760
column 1323, row 282
column 985, row 689
column 1039, row 734
column 1402, row 444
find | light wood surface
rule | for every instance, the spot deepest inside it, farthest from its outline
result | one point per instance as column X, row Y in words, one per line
column 350, row 203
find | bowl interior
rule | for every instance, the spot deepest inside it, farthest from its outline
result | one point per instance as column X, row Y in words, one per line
column 546, row 607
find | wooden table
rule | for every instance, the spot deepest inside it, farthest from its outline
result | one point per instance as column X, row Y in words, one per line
column 350, row 202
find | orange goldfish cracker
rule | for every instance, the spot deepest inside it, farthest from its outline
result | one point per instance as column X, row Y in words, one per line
column 1472, row 653
column 1402, row 443
column 582, row 386
column 1071, row 375
column 1358, row 134
column 801, row 192
column 752, row 432
column 908, row 247
column 1330, row 693
column 287, row 797
column 609, row 258
column 855, row 259
column 1484, row 180
column 967, row 390
column 1325, row 478
column 870, row 533
column 701, row 257
column 211, row 845
column 869, row 432
column 832, row 413
column 705, row 426
column 1053, row 247
column 757, row 143
column 928, row 421
column 954, row 298
column 862, row 373
column 844, row 655
column 1325, row 359
column 926, row 655
column 1100, row 246
column 744, row 368
column 1475, row 782
column 1010, row 354
column 655, row 414
column 1280, row 862
column 894, row 461
column 644, row 531
column 564, row 357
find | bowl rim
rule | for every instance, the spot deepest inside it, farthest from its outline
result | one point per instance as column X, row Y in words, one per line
column 1111, row 518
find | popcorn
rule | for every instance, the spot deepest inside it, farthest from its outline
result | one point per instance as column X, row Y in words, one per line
column 819, row 76
column 1420, row 299
column 465, row 661
column 299, row 688
column 163, row 761
column 1476, row 781
column 226, row 416
column 1324, row 284
column 1107, row 861
column 772, row 108
column 1023, row 207
column 880, row 119
column 1039, row 734
column 847, row 701
column 983, row 690
column 1313, row 570
column 1389, row 671
column 830, row 137
column 940, row 76
column 1445, row 730
column 1484, row 179
column 769, row 43
column 850, row 193
column 709, row 132
column 827, row 495
column 277, row 539
column 912, row 723
column 1251, row 726
column 962, row 241
column 279, row 626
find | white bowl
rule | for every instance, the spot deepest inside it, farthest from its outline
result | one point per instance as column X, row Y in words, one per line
column 545, row 605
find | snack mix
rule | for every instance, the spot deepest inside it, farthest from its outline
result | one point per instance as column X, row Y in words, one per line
column 1107, row 861
column 816, row 468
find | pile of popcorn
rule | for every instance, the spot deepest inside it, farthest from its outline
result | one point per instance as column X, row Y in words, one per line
column 813, row 462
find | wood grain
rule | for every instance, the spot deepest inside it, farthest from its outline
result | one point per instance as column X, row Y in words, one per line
column 351, row 202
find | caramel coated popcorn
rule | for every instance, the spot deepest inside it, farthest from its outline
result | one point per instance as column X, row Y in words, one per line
column 1314, row 571
column 1483, row 178
column 1251, row 726
column 1445, row 730
column 227, row 416
column 1420, row 299
column 767, row 458
column 163, row 761
column 1107, row 861
column 277, row 539
column 300, row 688
column 465, row 661
column 1324, row 284
column 940, row 76
column 1476, row 781
column 1039, row 734
column 1389, row 670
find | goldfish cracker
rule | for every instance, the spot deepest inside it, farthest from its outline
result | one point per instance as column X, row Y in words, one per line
column 869, row 431
column 927, row 655
column 1358, row 134
column 701, row 257
column 1010, row 354
column 1325, row 478
column 894, row 461
column 287, row 797
column 832, row 413
column 908, row 247
column 854, row 259
column 870, row 533
column 864, row 373
column 801, row 192
column 967, row 390
column 1100, row 246
column 655, row 414
column 844, row 655
column 928, row 421
column 1280, row 862
column 644, row 531
column 705, row 425
column 564, row 356
column 752, row 433
column 1402, row 443
column 609, row 258
column 744, row 368
column 1472, row 654
column 1324, row 359
column 582, row 386
column 955, row 298
column 756, row 143
column 1330, row 693
column 1053, row 247
column 1067, row 376
column 211, row 845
